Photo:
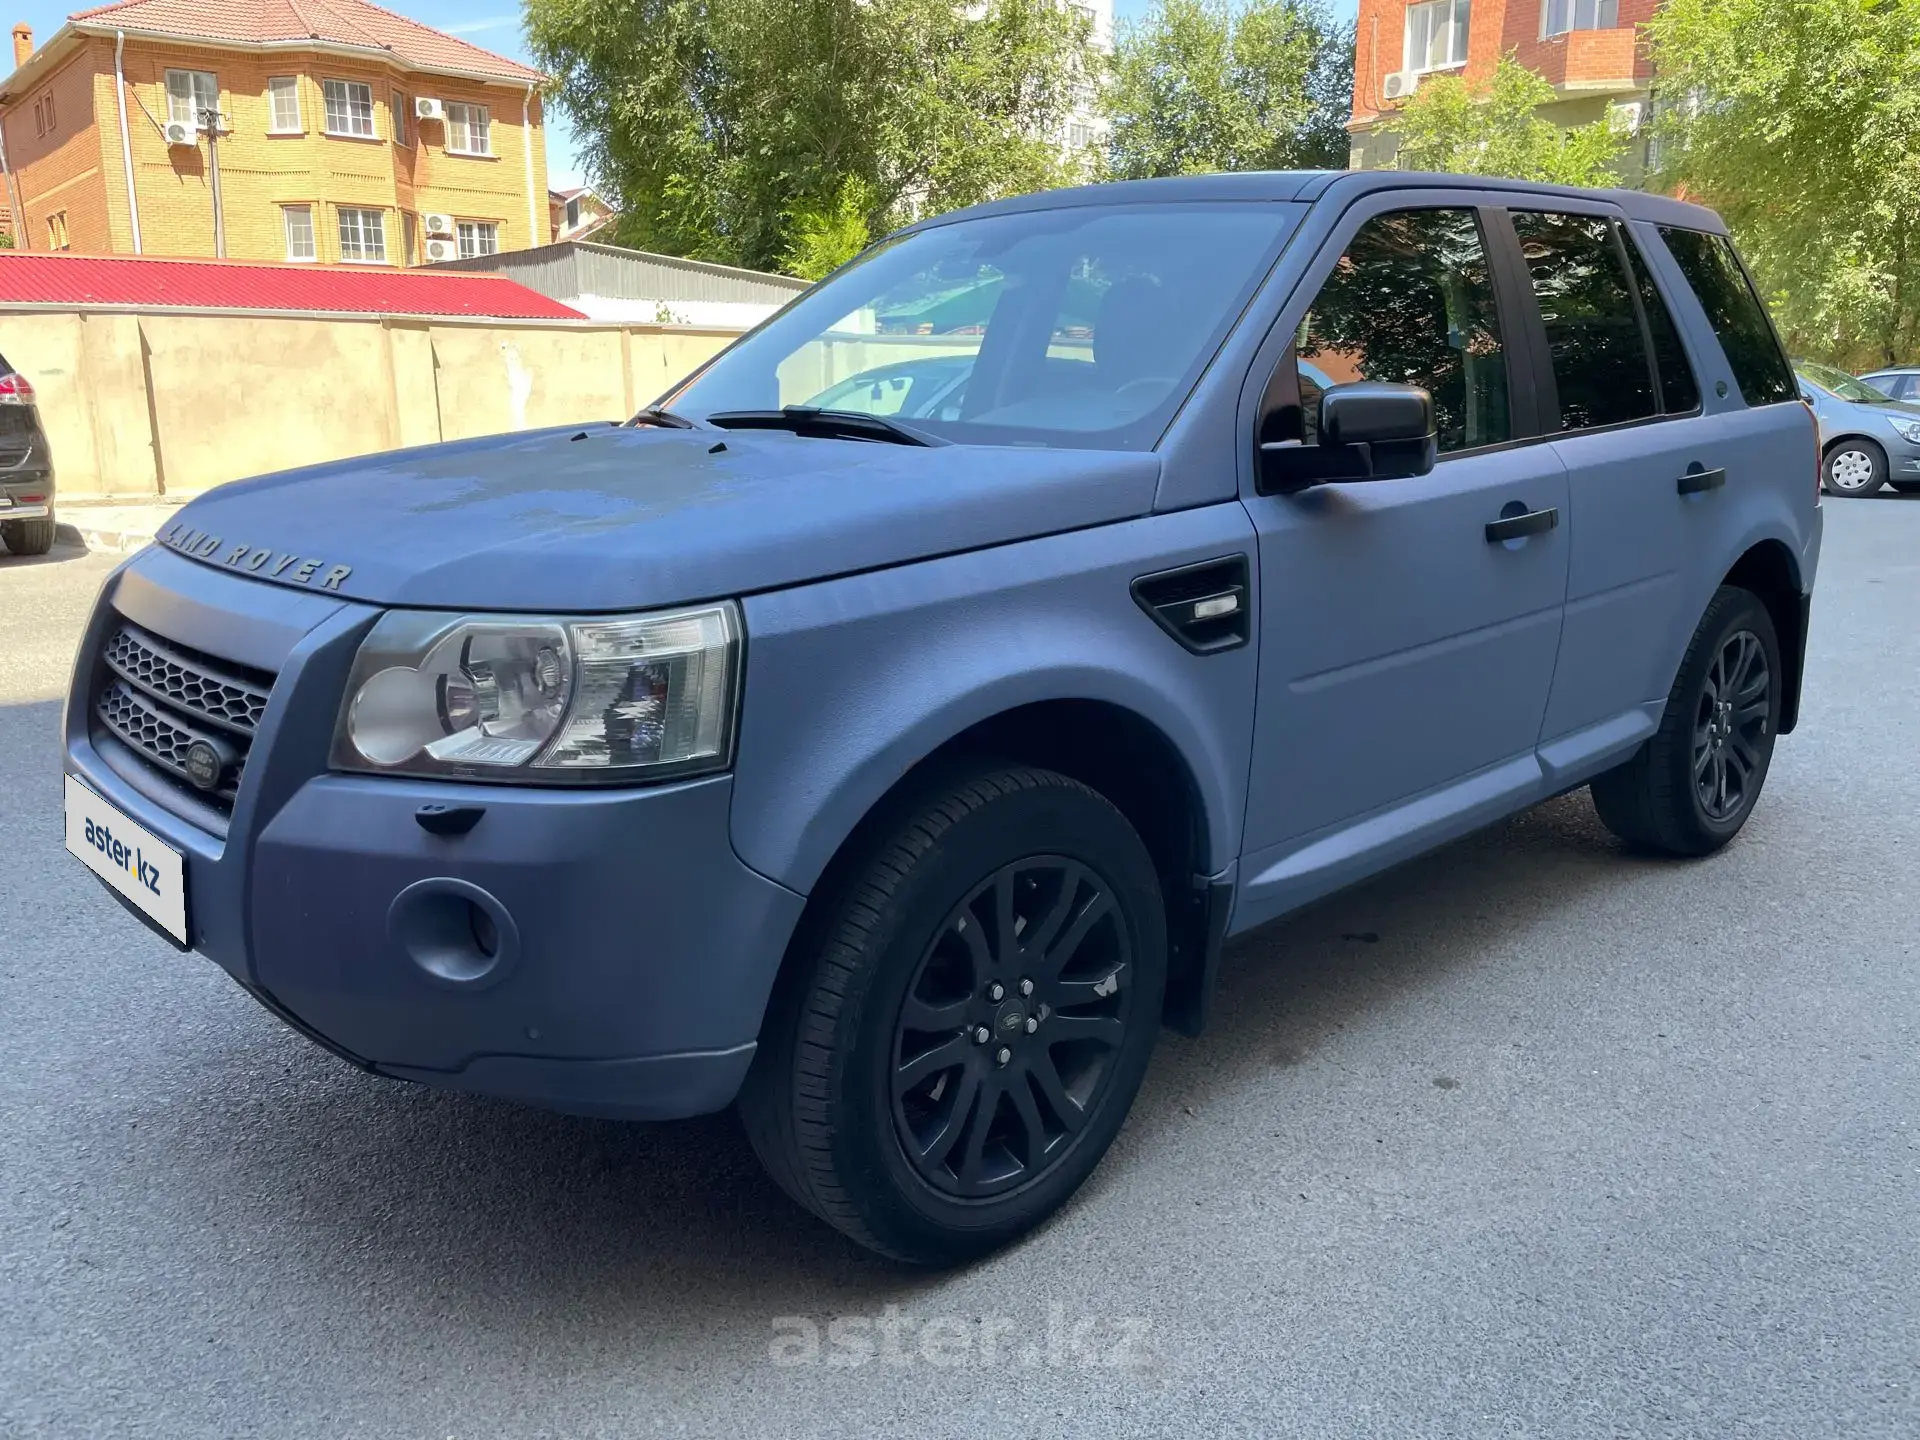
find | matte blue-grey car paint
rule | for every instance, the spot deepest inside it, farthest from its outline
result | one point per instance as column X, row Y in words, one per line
column 893, row 599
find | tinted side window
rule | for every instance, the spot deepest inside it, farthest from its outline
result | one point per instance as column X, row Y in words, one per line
column 1735, row 313
column 1593, row 332
column 1679, row 391
column 1412, row 301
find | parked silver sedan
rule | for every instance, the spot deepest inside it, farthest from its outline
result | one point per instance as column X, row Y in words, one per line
column 1866, row 440
column 1899, row 382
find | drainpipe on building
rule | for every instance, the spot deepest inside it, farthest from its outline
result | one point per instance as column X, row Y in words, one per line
column 211, row 119
column 526, row 144
column 126, row 146
column 20, row 226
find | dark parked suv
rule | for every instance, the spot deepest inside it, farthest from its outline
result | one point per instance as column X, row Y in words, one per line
column 26, row 468
column 898, row 775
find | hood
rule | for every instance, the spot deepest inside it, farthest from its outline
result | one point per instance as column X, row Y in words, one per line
column 609, row 518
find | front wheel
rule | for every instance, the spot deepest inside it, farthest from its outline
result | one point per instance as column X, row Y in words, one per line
column 1690, row 788
column 959, row 1046
column 1854, row 468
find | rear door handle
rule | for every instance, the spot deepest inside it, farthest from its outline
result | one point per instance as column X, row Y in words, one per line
column 1514, row 527
column 1698, row 481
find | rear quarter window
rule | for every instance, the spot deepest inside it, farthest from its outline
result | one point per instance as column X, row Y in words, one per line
column 1734, row 310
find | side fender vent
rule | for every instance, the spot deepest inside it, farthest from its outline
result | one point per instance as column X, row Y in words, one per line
column 1203, row 606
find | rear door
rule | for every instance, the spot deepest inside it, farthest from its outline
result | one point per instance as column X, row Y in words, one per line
column 1644, row 473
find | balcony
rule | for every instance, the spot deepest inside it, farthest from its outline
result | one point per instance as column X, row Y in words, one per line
column 1587, row 62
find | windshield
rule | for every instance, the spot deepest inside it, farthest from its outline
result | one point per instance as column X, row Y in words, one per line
column 1084, row 326
column 1838, row 382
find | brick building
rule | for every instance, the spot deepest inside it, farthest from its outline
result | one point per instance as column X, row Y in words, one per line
column 1589, row 51
column 322, row 151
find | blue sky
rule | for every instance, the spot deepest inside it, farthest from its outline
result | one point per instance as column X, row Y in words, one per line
column 493, row 24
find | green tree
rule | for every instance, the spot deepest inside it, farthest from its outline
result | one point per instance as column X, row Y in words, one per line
column 742, row 130
column 1495, row 128
column 1799, row 121
column 1200, row 85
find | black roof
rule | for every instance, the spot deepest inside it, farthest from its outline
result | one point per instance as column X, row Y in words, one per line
column 1342, row 185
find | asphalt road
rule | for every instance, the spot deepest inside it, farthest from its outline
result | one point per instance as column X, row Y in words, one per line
column 1529, row 1138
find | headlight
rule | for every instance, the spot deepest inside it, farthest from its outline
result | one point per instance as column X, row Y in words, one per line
column 541, row 700
column 1908, row 430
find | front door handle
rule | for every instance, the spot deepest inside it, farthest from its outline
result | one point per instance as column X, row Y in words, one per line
column 1515, row 527
column 1698, row 481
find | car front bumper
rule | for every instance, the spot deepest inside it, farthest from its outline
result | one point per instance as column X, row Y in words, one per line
column 627, row 952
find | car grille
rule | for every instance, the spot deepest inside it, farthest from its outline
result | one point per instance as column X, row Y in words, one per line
column 159, row 699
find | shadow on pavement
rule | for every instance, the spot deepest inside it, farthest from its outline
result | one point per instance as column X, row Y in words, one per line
column 472, row 1205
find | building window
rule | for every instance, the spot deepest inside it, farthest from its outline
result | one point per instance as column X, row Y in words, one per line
column 349, row 107
column 57, row 231
column 299, row 222
column 1436, row 35
column 39, row 117
column 400, row 131
column 283, row 104
column 469, row 132
column 363, row 236
column 190, row 95
column 478, row 237
column 1565, row 15
column 573, row 213
column 1079, row 135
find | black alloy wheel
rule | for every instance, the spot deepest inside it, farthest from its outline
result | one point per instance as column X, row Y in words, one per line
column 967, row 1016
column 1691, row 787
column 1731, row 726
column 1008, row 1033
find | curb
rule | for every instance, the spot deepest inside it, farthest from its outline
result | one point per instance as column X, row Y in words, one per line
column 106, row 542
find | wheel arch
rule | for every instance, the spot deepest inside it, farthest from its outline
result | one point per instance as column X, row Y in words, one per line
column 1769, row 571
column 1110, row 747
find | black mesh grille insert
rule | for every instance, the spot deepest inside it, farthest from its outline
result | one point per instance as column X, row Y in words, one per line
column 159, row 699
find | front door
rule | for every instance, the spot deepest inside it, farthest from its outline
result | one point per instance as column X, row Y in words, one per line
column 1406, row 651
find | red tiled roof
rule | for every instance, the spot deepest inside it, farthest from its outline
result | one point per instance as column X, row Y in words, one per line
column 27, row 279
column 338, row 22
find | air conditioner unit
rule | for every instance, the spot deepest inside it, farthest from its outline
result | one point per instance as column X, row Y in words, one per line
column 438, row 250
column 179, row 132
column 1627, row 118
column 425, row 108
column 437, row 224
column 1400, row 84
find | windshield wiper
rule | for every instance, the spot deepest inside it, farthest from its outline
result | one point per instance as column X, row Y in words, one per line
column 824, row 424
column 665, row 419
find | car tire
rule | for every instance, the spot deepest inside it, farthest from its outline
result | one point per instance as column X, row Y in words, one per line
column 1854, row 468
column 28, row 537
column 873, row 1102
column 1691, row 786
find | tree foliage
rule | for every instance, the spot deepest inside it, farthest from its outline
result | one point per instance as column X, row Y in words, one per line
column 1799, row 121
column 1495, row 128
column 742, row 130
column 1202, row 85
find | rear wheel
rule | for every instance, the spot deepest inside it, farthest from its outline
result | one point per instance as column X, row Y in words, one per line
column 1690, row 788
column 1853, row 468
column 28, row 537
column 961, row 1045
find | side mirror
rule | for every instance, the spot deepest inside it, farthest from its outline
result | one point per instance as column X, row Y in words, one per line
column 1369, row 430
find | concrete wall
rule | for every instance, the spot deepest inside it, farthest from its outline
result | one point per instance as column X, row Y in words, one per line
column 146, row 403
